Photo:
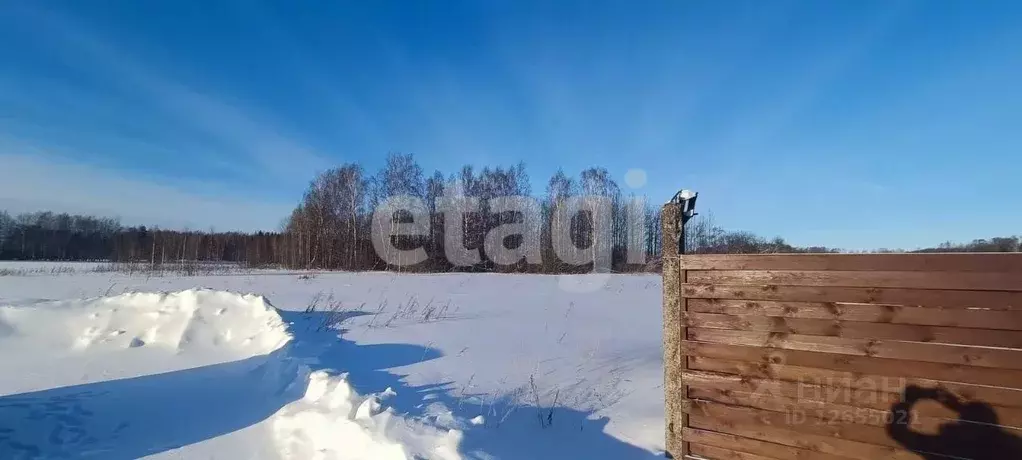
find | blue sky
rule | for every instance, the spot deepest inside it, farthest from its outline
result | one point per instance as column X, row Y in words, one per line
column 858, row 124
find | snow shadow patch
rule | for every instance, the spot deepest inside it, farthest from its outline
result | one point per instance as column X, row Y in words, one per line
column 134, row 417
column 510, row 429
column 146, row 415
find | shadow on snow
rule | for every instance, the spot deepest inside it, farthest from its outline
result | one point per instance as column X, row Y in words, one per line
column 519, row 434
column 134, row 417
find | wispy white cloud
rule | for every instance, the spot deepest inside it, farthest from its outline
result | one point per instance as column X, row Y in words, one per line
column 759, row 125
column 30, row 180
column 67, row 153
column 251, row 136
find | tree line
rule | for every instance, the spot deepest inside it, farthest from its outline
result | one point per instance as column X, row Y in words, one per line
column 67, row 237
column 332, row 226
column 996, row 244
column 332, row 223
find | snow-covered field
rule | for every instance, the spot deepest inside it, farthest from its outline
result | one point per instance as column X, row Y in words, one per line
column 332, row 365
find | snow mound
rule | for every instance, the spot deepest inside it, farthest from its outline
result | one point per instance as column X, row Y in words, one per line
column 196, row 319
column 189, row 374
column 333, row 422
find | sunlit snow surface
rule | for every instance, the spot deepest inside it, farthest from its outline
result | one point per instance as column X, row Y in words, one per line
column 105, row 365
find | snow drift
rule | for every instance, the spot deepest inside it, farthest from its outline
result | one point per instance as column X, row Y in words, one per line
column 185, row 374
column 188, row 321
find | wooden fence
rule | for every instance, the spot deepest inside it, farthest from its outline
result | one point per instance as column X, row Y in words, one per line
column 809, row 356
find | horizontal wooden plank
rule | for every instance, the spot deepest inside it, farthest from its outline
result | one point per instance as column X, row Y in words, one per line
column 754, row 446
column 930, row 415
column 750, row 373
column 765, row 357
column 998, row 358
column 791, row 406
column 856, row 329
column 811, row 423
column 822, row 444
column 698, row 451
column 993, row 300
column 824, row 435
column 799, row 390
column 960, row 262
column 881, row 278
column 871, row 313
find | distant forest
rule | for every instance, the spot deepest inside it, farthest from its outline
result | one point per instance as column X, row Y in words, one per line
column 330, row 226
